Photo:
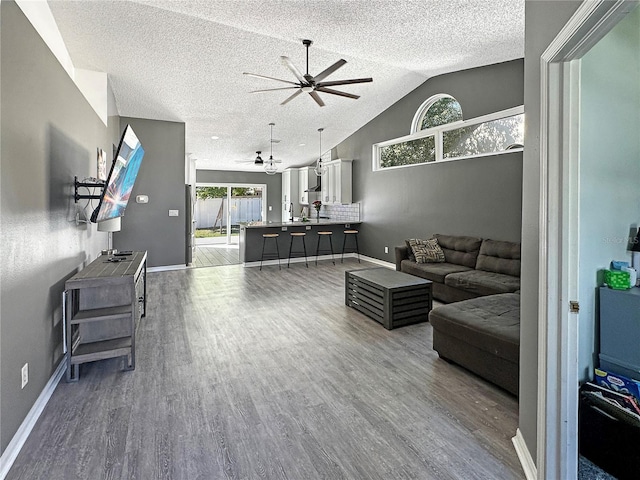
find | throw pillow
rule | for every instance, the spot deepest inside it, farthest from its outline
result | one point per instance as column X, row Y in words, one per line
column 427, row 251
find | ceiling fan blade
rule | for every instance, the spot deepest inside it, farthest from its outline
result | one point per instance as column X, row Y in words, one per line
column 292, row 97
column 268, row 78
column 317, row 98
column 272, row 89
column 330, row 70
column 344, row 82
column 287, row 63
column 336, row 92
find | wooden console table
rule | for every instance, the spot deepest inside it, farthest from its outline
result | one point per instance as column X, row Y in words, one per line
column 105, row 302
column 391, row 298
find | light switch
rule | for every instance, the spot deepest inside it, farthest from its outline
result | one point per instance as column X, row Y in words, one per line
column 142, row 198
column 270, row 208
column 173, row 213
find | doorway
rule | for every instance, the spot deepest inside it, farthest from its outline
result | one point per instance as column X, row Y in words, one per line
column 575, row 239
column 220, row 209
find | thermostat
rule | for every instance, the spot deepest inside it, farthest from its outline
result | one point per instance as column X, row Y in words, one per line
column 142, row 198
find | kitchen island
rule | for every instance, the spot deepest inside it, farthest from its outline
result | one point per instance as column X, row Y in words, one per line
column 251, row 238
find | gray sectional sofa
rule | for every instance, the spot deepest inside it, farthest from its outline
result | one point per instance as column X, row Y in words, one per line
column 473, row 267
column 480, row 327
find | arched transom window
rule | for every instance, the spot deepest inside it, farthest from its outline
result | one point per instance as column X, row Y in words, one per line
column 435, row 111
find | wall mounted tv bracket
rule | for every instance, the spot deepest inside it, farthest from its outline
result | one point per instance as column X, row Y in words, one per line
column 89, row 183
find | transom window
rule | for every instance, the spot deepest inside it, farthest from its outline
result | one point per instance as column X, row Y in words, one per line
column 435, row 111
column 492, row 134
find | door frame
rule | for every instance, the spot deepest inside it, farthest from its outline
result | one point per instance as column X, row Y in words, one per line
column 229, row 186
column 557, row 415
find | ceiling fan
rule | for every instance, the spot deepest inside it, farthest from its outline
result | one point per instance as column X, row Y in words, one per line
column 309, row 84
column 258, row 160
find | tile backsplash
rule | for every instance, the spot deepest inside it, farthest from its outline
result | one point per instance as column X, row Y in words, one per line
column 347, row 213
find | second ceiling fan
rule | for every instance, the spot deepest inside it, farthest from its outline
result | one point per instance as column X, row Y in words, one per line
column 309, row 84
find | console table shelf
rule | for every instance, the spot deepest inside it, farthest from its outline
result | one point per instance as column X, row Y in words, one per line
column 97, row 314
column 104, row 304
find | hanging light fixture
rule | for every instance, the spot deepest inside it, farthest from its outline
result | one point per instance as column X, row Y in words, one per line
column 320, row 169
column 270, row 165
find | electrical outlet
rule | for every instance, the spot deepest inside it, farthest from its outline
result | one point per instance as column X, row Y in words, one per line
column 25, row 375
column 386, row 249
column 270, row 208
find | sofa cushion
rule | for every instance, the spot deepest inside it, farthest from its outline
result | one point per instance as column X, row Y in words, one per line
column 500, row 257
column 483, row 283
column 489, row 323
column 436, row 272
column 460, row 250
column 426, row 251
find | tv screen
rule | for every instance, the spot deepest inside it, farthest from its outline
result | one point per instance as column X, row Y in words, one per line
column 121, row 178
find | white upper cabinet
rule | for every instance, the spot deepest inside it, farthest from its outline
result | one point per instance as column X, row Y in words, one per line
column 336, row 183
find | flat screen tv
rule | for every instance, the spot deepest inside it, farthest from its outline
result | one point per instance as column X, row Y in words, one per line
column 122, row 176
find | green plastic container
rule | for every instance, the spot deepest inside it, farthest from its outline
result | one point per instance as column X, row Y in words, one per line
column 617, row 279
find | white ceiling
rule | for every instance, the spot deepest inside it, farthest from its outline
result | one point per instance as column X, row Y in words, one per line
column 184, row 61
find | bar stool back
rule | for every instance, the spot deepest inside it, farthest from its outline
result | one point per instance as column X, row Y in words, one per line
column 304, row 246
column 321, row 235
column 354, row 234
column 270, row 256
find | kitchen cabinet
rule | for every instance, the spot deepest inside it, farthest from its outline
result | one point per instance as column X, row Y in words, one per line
column 290, row 204
column 337, row 182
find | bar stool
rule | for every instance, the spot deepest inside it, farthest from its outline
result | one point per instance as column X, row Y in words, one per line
column 304, row 246
column 320, row 235
column 270, row 256
column 344, row 242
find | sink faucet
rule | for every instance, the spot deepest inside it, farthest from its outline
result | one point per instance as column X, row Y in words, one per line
column 291, row 211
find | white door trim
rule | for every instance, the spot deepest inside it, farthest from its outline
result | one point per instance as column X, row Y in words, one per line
column 557, row 416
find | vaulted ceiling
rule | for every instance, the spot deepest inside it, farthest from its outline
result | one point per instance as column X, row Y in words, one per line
column 184, row 61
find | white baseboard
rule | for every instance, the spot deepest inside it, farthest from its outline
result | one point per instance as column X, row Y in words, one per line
column 16, row 443
column 164, row 268
column 382, row 263
column 528, row 465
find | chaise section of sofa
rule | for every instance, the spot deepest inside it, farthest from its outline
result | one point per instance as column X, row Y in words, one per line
column 482, row 335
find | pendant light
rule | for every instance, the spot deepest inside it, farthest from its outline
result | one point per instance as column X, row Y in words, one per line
column 270, row 166
column 320, row 169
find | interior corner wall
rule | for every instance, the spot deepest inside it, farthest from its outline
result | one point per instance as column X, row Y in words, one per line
column 273, row 183
column 49, row 134
column 543, row 21
column 609, row 168
column 477, row 197
column 148, row 226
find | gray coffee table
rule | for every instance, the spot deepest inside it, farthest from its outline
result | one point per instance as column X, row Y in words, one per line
column 391, row 298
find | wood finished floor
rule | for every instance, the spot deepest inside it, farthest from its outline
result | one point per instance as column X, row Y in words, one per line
column 243, row 374
column 216, row 255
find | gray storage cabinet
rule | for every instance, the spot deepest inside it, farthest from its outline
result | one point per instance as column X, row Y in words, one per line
column 620, row 331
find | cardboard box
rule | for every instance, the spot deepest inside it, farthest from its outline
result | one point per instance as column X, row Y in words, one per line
column 618, row 383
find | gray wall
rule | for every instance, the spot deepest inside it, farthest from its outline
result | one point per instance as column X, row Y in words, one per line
column 49, row 133
column 609, row 167
column 273, row 182
column 480, row 197
column 161, row 177
column 543, row 21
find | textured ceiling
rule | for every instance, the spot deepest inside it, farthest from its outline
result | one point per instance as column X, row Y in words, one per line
column 184, row 61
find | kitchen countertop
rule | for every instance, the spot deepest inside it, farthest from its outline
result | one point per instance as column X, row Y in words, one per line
column 294, row 224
